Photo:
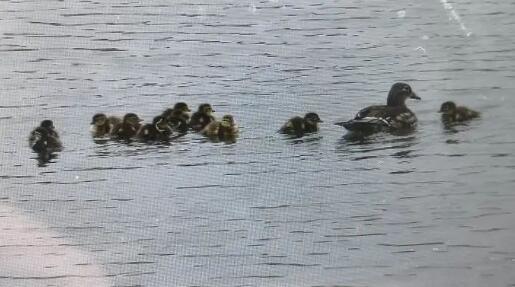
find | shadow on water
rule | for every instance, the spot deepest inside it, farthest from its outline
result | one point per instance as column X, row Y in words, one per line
column 454, row 128
column 221, row 139
column 308, row 138
column 358, row 143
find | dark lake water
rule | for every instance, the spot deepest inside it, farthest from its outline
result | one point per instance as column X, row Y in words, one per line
column 431, row 208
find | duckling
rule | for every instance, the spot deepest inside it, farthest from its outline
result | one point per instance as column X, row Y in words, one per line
column 201, row 118
column 178, row 121
column 180, row 107
column 101, row 125
column 128, row 128
column 392, row 116
column 452, row 113
column 224, row 129
column 157, row 130
column 45, row 139
column 299, row 126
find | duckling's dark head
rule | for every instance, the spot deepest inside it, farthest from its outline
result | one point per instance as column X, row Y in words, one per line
column 205, row 109
column 48, row 124
column 398, row 94
column 448, row 107
column 132, row 119
column 227, row 121
column 312, row 118
column 182, row 107
column 99, row 119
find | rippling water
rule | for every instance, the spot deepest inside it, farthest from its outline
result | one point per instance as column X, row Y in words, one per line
column 431, row 208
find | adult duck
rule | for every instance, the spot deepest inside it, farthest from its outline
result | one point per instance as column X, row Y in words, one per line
column 390, row 117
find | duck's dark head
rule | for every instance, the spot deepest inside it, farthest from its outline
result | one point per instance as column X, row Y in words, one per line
column 312, row 118
column 183, row 107
column 132, row 119
column 206, row 109
column 227, row 121
column 448, row 107
column 399, row 93
column 47, row 124
column 99, row 119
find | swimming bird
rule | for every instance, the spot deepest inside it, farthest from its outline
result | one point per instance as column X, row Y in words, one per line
column 157, row 130
column 101, row 125
column 45, row 139
column 128, row 128
column 299, row 126
column 452, row 113
column 178, row 121
column 392, row 116
column 202, row 117
column 225, row 129
column 181, row 107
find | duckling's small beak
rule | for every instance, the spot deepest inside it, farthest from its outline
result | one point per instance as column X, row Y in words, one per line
column 414, row 96
column 320, row 121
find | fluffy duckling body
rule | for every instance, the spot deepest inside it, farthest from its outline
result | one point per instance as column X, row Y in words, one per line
column 178, row 121
column 392, row 116
column 101, row 125
column 452, row 113
column 179, row 108
column 45, row 139
column 201, row 118
column 225, row 129
column 299, row 126
column 158, row 130
column 128, row 128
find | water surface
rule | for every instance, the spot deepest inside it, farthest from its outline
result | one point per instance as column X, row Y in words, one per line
column 431, row 208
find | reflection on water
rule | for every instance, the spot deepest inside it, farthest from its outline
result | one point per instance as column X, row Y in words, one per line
column 44, row 158
column 430, row 207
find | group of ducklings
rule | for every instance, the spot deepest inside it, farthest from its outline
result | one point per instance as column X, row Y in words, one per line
column 171, row 121
column 390, row 117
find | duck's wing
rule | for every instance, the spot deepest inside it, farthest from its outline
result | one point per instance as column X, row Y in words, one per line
column 380, row 112
column 369, row 119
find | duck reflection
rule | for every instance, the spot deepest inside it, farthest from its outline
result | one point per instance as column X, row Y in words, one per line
column 363, row 146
